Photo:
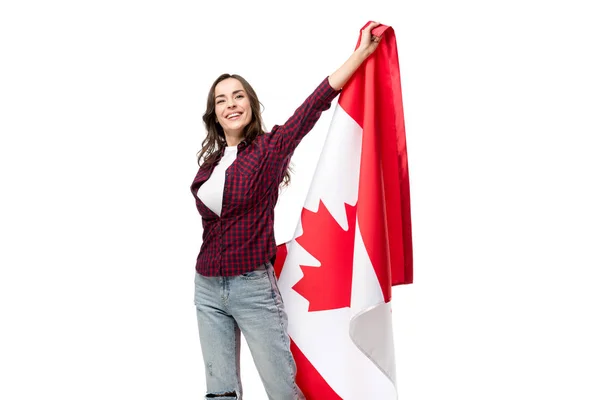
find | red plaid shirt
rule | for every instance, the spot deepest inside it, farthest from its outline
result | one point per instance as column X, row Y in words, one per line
column 242, row 238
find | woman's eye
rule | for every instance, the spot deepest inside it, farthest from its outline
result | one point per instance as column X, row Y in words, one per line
column 239, row 96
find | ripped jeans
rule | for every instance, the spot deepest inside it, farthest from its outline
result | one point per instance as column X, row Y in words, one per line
column 250, row 303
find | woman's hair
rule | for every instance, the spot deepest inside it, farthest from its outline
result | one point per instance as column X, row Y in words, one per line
column 214, row 141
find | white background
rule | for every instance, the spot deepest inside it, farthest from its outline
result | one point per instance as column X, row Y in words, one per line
column 100, row 121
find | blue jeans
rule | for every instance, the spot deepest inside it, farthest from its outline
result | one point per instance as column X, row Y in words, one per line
column 250, row 303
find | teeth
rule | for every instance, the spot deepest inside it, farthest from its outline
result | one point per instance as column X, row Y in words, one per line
column 234, row 115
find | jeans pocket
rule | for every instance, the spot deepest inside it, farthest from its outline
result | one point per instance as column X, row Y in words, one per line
column 256, row 274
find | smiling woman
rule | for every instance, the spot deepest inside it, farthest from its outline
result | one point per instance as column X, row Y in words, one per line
column 230, row 95
column 236, row 189
column 232, row 109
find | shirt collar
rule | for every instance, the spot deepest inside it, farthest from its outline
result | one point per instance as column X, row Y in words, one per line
column 241, row 146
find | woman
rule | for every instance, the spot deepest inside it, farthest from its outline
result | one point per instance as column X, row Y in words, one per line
column 236, row 190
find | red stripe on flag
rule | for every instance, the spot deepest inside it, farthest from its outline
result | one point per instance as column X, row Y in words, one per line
column 373, row 98
column 280, row 257
column 310, row 380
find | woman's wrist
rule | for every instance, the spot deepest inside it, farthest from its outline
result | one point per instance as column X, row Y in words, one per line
column 361, row 54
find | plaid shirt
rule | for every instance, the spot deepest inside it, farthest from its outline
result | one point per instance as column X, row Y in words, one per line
column 243, row 237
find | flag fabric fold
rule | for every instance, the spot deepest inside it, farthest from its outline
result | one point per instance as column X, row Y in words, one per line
column 353, row 241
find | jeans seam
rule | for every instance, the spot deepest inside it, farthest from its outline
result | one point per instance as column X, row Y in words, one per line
column 283, row 331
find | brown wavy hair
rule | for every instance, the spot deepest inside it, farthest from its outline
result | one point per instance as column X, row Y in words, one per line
column 214, row 141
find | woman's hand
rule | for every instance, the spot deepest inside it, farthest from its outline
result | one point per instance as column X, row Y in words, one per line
column 368, row 41
column 368, row 44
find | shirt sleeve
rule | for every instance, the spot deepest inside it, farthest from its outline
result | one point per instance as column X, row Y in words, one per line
column 285, row 138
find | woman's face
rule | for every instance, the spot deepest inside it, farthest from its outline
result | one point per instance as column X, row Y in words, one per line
column 232, row 107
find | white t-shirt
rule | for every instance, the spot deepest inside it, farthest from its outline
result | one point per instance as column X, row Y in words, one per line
column 211, row 191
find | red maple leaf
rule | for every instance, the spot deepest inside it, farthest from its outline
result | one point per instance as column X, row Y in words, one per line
column 329, row 286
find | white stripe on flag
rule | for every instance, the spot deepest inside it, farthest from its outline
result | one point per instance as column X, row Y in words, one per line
column 324, row 336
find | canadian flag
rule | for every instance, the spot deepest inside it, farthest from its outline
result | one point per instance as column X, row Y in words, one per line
column 353, row 241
